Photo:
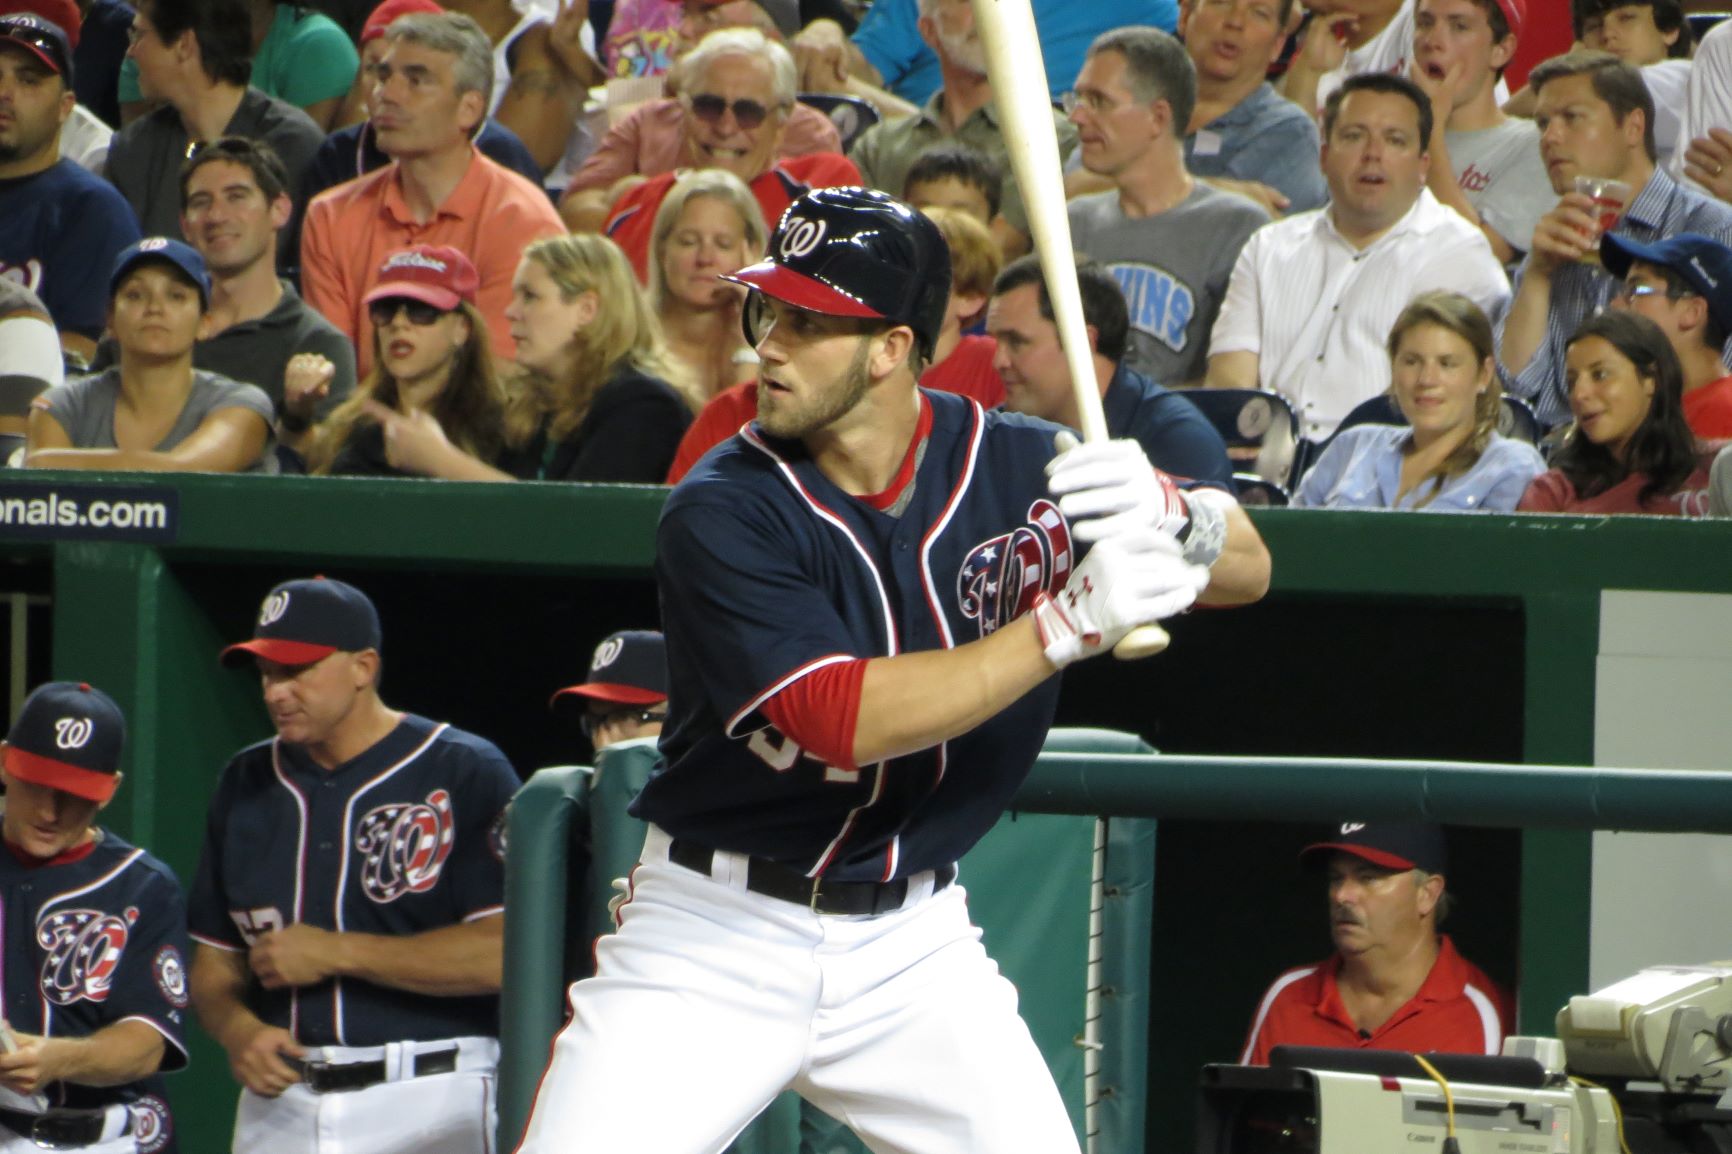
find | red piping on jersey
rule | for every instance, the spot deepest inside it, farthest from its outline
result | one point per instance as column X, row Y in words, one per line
column 120, row 867
column 300, row 867
column 889, row 495
column 892, row 637
column 782, row 683
column 829, row 854
column 343, row 869
column 892, row 855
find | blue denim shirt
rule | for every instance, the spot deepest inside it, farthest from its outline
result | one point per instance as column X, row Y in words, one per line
column 1361, row 469
column 1266, row 138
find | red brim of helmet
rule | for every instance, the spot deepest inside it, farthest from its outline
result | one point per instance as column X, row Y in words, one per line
column 610, row 691
column 90, row 784
column 801, row 291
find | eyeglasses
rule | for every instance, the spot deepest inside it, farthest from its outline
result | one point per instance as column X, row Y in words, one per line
column 420, row 313
column 748, row 114
column 594, row 721
column 1096, row 102
column 1634, row 292
column 134, row 33
column 22, row 33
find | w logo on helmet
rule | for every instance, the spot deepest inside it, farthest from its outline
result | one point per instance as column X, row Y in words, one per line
column 607, row 653
column 406, row 844
column 274, row 607
column 1000, row 578
column 802, row 236
column 73, row 732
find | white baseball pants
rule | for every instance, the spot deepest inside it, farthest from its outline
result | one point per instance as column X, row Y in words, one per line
column 710, row 1000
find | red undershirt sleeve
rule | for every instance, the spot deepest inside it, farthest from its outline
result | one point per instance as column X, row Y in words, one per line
column 820, row 711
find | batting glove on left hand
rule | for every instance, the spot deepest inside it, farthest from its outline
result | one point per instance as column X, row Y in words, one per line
column 1109, row 487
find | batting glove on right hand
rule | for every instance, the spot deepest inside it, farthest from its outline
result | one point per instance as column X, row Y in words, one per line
column 1132, row 579
column 1109, row 487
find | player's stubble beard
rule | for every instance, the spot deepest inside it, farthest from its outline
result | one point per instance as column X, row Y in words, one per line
column 823, row 410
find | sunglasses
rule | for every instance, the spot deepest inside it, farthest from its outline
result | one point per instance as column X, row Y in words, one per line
column 21, row 33
column 383, row 312
column 594, row 721
column 748, row 114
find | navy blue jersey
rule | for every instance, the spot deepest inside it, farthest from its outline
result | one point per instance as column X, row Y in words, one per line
column 405, row 838
column 1173, row 432
column 94, row 941
column 768, row 571
column 60, row 230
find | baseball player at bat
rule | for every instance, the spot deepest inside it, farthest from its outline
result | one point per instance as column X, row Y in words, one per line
column 347, row 902
column 93, row 970
column 867, row 594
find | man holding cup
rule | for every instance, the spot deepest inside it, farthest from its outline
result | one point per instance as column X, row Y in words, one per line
column 1596, row 122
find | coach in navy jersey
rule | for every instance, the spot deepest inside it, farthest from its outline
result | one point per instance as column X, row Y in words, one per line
column 346, row 908
column 866, row 594
column 95, row 942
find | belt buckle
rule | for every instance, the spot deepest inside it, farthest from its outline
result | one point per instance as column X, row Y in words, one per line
column 313, row 1074
column 40, row 1135
column 812, row 898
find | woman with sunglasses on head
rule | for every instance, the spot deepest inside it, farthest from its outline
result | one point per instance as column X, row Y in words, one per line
column 433, row 404
column 152, row 411
column 1631, row 450
column 709, row 225
column 1449, row 456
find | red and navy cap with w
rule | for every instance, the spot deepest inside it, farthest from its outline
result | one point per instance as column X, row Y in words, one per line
column 307, row 620
column 1394, row 845
column 629, row 667
column 856, row 252
column 68, row 737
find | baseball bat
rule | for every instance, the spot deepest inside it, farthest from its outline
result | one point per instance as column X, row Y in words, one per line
column 1018, row 75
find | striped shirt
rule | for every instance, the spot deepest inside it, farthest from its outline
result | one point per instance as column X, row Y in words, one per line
column 1317, row 311
column 1663, row 208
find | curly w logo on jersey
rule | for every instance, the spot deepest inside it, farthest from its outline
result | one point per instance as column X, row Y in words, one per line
column 84, row 948
column 406, row 845
column 1001, row 577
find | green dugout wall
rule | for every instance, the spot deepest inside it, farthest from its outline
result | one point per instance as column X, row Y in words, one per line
column 1386, row 635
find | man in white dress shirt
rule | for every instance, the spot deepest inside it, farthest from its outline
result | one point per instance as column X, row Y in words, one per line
column 1312, row 297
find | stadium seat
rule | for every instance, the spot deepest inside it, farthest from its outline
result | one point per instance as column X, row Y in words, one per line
column 1259, row 429
column 849, row 114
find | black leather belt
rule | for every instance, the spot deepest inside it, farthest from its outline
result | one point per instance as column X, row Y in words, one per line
column 336, row 1077
column 61, row 1129
column 818, row 894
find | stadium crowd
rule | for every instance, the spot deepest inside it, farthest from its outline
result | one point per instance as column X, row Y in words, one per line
column 485, row 240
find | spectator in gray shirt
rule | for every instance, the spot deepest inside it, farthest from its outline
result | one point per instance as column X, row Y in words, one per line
column 1484, row 164
column 1168, row 239
column 234, row 203
column 195, row 56
column 174, row 418
column 1244, row 136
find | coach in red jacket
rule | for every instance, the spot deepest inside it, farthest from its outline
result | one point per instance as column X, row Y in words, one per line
column 1394, row 982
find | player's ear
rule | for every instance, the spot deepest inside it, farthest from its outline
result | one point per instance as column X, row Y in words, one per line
column 103, row 804
column 890, row 351
column 366, row 666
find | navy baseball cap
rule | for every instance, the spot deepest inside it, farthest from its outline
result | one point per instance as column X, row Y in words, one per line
column 68, row 737
column 41, row 38
column 1394, row 845
column 629, row 667
column 1703, row 262
column 161, row 249
column 307, row 620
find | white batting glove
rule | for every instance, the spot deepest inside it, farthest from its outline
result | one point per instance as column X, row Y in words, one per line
column 1132, row 579
column 1108, row 487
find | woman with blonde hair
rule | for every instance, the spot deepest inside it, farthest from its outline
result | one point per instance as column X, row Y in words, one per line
column 709, row 224
column 1449, row 457
column 434, row 404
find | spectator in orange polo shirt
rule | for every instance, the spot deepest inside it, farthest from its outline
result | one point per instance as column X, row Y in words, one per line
column 432, row 96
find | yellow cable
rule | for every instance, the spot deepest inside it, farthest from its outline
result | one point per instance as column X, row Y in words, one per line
column 1617, row 1111
column 1448, row 1097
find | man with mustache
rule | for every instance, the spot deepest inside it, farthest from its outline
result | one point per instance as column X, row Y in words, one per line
column 1394, row 982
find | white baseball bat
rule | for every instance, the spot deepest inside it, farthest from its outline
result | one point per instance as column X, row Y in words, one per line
column 1019, row 84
